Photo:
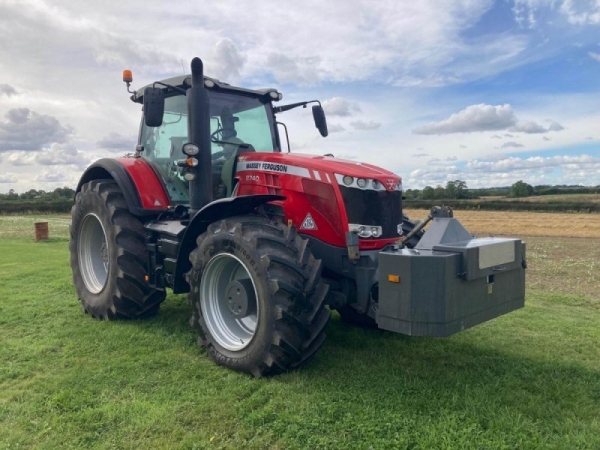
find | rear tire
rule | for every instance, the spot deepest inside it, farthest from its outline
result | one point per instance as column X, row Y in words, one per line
column 278, row 321
column 109, row 258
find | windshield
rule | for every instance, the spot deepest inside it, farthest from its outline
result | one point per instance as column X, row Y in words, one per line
column 234, row 120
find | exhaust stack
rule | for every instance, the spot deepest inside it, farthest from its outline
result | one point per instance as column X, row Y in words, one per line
column 199, row 133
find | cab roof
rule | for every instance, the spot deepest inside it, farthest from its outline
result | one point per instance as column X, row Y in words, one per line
column 185, row 81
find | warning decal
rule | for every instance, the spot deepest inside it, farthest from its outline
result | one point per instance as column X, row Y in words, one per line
column 309, row 223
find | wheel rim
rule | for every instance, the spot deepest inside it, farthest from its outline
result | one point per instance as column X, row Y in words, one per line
column 94, row 261
column 228, row 299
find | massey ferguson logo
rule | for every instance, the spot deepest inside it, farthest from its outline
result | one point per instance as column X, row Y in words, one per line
column 390, row 184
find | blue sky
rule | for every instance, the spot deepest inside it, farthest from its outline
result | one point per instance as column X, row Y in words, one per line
column 485, row 91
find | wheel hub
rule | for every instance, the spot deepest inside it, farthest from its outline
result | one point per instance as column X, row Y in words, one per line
column 93, row 253
column 104, row 254
column 240, row 297
column 229, row 301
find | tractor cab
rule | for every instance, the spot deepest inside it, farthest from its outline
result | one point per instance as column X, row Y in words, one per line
column 241, row 121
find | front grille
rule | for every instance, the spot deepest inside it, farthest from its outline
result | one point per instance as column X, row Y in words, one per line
column 369, row 207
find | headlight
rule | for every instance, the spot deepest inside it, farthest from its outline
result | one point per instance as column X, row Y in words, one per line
column 348, row 180
column 361, row 182
column 376, row 231
column 376, row 184
column 190, row 149
column 209, row 83
column 365, row 231
column 188, row 175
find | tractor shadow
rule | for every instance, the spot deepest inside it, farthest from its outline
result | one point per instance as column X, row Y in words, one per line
column 388, row 374
column 469, row 377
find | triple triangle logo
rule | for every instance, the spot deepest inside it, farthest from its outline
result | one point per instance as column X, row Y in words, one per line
column 309, row 223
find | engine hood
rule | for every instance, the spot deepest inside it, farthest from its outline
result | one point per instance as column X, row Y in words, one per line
column 323, row 163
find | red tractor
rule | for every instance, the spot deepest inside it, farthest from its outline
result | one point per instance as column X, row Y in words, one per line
column 266, row 242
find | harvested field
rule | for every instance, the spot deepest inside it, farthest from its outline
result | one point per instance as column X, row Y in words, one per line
column 494, row 223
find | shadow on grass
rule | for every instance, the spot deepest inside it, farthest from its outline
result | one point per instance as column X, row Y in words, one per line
column 472, row 376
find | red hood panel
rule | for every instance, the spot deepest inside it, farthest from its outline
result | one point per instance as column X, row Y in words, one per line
column 324, row 163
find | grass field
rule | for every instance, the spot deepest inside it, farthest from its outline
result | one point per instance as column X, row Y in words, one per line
column 530, row 379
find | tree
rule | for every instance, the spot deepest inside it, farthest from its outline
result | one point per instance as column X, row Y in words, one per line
column 521, row 189
column 461, row 189
column 428, row 193
column 439, row 192
column 451, row 191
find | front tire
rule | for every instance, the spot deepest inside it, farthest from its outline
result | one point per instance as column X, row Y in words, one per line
column 109, row 258
column 259, row 302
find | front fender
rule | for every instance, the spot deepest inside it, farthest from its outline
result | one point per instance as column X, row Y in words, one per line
column 217, row 210
column 141, row 186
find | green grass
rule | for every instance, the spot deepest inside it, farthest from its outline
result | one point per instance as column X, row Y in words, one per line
column 530, row 379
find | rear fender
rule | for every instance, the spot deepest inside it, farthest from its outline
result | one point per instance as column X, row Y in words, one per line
column 141, row 186
column 217, row 210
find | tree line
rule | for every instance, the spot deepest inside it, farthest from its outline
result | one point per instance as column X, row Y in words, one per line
column 458, row 190
column 59, row 200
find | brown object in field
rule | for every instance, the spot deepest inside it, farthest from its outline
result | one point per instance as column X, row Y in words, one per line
column 41, row 231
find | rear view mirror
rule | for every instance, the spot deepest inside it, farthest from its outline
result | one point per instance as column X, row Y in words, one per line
column 154, row 106
column 320, row 120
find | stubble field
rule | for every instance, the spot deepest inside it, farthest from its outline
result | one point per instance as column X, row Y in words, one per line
column 530, row 379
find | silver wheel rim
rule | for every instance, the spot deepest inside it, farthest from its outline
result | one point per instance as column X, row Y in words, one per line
column 230, row 332
column 93, row 254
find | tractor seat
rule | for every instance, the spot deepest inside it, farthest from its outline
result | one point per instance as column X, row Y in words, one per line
column 177, row 146
column 229, row 166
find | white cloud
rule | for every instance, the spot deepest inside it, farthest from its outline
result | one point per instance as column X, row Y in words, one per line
column 595, row 56
column 362, row 125
column 51, row 177
column 287, row 70
column 473, row 118
column 229, row 61
column 577, row 12
column 335, row 128
column 54, row 155
column 7, row 89
column 8, row 178
column 478, row 118
column 340, row 107
column 116, row 142
column 504, row 171
column 511, row 144
column 24, row 129
column 526, row 126
column 534, row 162
column 524, row 11
column 581, row 12
column 419, row 155
column 369, row 54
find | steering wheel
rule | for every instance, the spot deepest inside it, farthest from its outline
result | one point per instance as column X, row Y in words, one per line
column 214, row 134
